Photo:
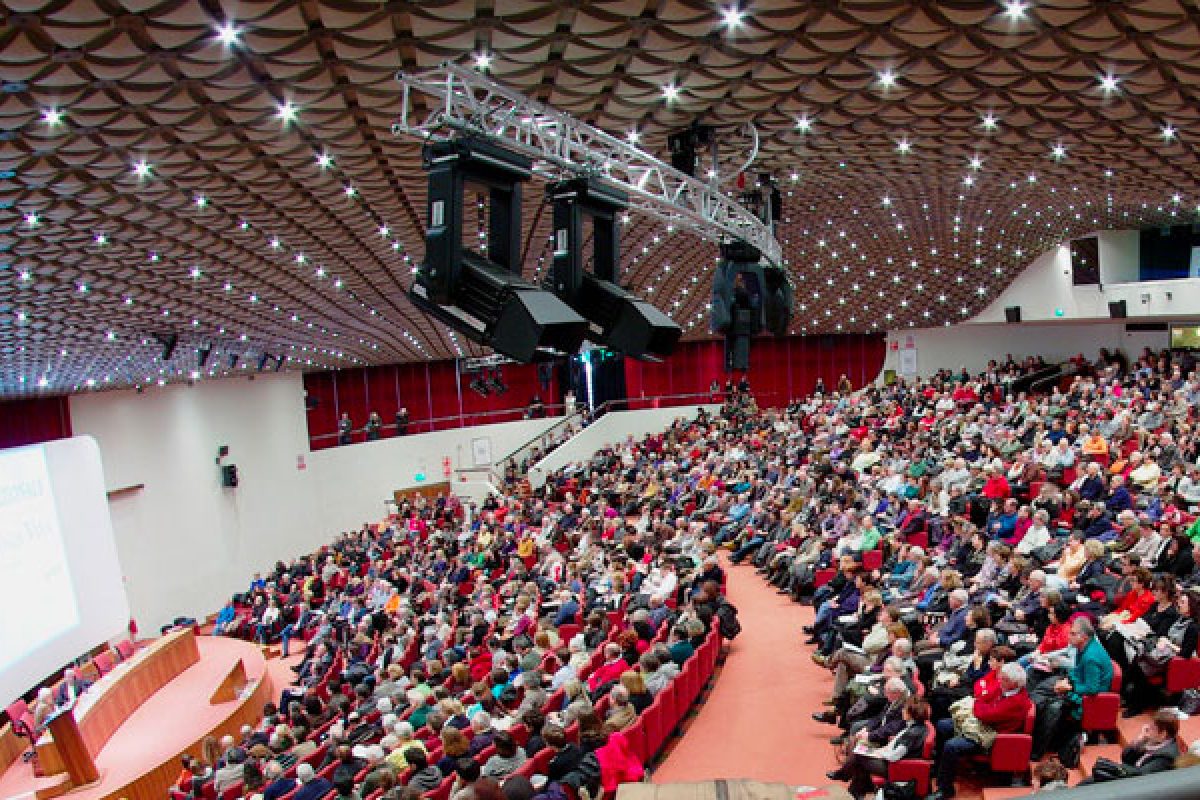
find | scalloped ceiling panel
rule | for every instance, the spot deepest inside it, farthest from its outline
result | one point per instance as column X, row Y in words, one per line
column 225, row 173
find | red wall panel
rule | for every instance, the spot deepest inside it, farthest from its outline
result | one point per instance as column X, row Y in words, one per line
column 38, row 419
column 780, row 370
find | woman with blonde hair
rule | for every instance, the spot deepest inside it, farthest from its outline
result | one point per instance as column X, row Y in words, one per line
column 635, row 684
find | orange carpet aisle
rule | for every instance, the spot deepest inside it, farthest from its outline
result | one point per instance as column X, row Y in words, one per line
column 757, row 720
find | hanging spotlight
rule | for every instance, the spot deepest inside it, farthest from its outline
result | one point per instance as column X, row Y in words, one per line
column 168, row 342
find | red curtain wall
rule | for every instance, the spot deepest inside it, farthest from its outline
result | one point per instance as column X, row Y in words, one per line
column 430, row 391
column 38, row 419
column 780, row 370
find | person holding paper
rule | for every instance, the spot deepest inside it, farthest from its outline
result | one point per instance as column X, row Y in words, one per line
column 866, row 760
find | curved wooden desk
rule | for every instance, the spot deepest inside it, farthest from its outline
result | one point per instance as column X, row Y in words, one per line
column 109, row 702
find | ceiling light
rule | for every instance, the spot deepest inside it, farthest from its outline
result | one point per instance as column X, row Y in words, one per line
column 383, row 230
column 976, row 163
column 887, row 201
column 201, row 201
column 287, row 112
column 1032, row 178
column 483, row 60
column 31, row 219
column 244, row 225
column 324, row 160
column 274, row 243
column 732, row 17
column 43, row 382
column 299, row 258
column 1177, row 198
column 196, row 273
column 1168, row 132
column 350, row 191
column 804, row 123
column 887, row 79
column 101, row 239
column 52, row 116
column 1109, row 83
column 1015, row 9
column 228, row 34
column 903, row 146
column 670, row 92
column 989, row 122
column 633, row 136
column 968, row 180
column 26, row 275
column 1059, row 152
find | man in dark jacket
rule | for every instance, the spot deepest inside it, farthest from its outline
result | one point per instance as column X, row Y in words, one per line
column 1155, row 750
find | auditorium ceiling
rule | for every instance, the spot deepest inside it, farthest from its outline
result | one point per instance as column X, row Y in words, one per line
column 225, row 172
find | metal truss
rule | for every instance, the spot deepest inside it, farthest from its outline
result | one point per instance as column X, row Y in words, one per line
column 470, row 102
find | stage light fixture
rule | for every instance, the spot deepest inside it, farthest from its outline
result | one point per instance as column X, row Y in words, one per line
column 485, row 297
column 168, row 342
column 616, row 318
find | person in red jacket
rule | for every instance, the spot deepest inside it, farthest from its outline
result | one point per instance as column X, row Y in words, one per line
column 611, row 669
column 1003, row 713
column 996, row 486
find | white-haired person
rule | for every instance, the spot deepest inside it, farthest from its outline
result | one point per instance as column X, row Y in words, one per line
column 1004, row 713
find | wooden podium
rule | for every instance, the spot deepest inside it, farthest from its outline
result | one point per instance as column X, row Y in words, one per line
column 72, row 749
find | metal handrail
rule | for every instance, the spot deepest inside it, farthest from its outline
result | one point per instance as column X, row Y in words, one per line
column 430, row 424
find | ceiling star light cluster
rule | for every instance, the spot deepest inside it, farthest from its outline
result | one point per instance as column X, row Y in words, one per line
column 926, row 154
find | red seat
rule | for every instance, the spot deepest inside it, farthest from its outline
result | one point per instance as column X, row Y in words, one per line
column 1101, row 711
column 233, row 792
column 125, row 649
column 442, row 792
column 1182, row 674
column 21, row 717
column 823, row 576
column 538, row 764
column 919, row 539
column 567, row 631
column 104, row 662
column 520, row 734
column 653, row 731
column 635, row 735
column 1011, row 751
column 919, row 770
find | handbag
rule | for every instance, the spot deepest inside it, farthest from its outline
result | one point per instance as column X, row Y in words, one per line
column 968, row 726
column 1108, row 770
column 902, row 790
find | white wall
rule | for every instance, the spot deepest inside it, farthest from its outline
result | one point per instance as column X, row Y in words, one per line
column 612, row 428
column 973, row 346
column 1120, row 253
column 184, row 542
column 356, row 480
column 1041, row 290
column 1045, row 286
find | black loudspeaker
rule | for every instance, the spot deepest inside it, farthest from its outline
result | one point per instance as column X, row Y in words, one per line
column 229, row 478
column 1085, row 261
column 1012, row 315
column 505, row 312
column 628, row 324
column 1117, row 310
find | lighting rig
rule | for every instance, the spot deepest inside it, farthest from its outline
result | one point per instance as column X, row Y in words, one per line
column 478, row 131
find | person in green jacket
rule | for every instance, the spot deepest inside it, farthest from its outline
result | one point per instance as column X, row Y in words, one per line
column 1091, row 675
